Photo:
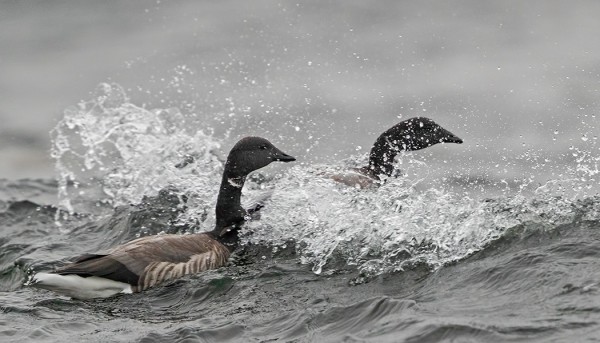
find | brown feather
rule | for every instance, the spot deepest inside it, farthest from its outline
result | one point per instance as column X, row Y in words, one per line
column 154, row 259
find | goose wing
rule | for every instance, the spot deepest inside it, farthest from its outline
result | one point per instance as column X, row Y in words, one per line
column 147, row 261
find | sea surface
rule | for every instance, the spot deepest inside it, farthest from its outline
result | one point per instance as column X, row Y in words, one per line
column 414, row 260
column 493, row 240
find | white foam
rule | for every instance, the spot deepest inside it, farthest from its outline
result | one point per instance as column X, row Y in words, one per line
column 393, row 226
column 79, row 287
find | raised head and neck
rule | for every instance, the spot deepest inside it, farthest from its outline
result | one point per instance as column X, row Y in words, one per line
column 247, row 155
column 411, row 134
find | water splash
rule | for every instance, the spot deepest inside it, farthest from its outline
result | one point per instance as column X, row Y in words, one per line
column 397, row 225
column 110, row 151
column 115, row 152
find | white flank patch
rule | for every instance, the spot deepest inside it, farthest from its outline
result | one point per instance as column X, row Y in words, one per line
column 79, row 287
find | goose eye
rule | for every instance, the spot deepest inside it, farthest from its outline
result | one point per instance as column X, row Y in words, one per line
column 263, row 147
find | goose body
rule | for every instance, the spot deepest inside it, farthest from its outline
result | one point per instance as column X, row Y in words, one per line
column 148, row 261
column 355, row 177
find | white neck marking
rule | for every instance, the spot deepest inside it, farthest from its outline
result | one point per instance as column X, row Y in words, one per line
column 234, row 183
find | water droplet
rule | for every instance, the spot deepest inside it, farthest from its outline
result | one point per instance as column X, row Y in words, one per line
column 584, row 138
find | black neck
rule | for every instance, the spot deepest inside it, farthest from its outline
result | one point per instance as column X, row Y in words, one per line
column 381, row 158
column 229, row 212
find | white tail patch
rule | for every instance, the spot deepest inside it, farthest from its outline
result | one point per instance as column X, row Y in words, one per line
column 79, row 287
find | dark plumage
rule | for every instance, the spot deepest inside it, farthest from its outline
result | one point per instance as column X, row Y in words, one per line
column 147, row 261
column 411, row 134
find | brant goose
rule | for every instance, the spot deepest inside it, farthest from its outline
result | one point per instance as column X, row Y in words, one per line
column 147, row 261
column 411, row 134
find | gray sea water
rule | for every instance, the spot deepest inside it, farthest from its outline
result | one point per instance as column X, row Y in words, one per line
column 492, row 240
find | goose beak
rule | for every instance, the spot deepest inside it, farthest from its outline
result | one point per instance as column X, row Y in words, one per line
column 449, row 137
column 283, row 157
column 453, row 139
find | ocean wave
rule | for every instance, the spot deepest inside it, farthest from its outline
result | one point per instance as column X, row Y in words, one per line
column 111, row 153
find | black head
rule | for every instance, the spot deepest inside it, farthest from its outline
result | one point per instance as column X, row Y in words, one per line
column 411, row 134
column 252, row 153
column 418, row 133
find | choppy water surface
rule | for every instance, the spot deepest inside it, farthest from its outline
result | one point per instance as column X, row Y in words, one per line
column 492, row 240
column 419, row 259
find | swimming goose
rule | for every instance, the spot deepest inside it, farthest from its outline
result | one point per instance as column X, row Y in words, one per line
column 411, row 134
column 147, row 261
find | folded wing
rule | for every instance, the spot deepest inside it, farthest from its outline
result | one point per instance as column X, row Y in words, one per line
column 147, row 261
